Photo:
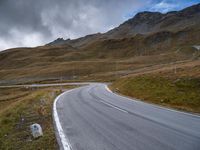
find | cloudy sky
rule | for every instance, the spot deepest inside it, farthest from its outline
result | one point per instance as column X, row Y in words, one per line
column 36, row 22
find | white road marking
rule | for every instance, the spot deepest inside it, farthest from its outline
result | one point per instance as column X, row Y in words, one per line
column 139, row 101
column 114, row 107
column 108, row 89
column 64, row 141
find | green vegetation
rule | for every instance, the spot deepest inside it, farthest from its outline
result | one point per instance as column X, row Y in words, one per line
column 180, row 93
column 19, row 113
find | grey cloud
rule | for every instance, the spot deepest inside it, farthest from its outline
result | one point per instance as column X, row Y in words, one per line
column 35, row 22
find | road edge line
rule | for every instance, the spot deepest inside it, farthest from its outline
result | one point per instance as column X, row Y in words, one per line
column 154, row 105
column 62, row 141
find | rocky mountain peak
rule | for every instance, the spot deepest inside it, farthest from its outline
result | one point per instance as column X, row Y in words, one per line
column 190, row 10
column 59, row 40
column 147, row 15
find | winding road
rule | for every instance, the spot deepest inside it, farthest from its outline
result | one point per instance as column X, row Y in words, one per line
column 93, row 118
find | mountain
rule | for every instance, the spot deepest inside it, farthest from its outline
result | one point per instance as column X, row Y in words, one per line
column 150, row 22
column 147, row 39
column 58, row 41
column 145, row 23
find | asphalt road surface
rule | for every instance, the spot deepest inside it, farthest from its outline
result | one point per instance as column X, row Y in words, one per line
column 93, row 118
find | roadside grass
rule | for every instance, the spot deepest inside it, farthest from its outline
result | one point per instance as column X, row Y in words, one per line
column 10, row 97
column 180, row 93
column 20, row 113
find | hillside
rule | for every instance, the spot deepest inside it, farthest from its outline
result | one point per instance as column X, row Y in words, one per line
column 175, row 86
column 148, row 39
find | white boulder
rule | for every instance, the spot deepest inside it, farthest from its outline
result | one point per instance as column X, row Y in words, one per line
column 36, row 130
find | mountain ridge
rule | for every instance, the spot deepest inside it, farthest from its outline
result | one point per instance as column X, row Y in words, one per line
column 166, row 40
column 144, row 23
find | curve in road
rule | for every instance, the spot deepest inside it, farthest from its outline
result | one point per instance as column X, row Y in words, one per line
column 94, row 118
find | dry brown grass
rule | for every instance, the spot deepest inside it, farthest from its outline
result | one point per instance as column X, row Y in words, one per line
column 176, row 88
column 34, row 107
column 99, row 58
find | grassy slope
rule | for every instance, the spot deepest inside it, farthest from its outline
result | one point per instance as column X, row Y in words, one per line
column 99, row 57
column 180, row 91
column 35, row 107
